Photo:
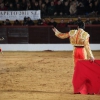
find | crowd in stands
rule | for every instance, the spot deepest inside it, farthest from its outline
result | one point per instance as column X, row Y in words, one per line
column 50, row 22
column 54, row 7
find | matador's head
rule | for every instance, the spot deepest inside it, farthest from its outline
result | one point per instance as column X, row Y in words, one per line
column 81, row 24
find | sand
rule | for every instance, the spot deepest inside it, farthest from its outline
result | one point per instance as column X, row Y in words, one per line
column 45, row 75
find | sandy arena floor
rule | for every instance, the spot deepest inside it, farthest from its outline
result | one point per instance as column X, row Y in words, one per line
column 43, row 75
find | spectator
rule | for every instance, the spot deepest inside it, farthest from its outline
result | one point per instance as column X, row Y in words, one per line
column 90, row 10
column 32, row 2
column 42, row 22
column 2, row 7
column 55, row 2
column 51, row 9
column 43, row 10
column 7, row 22
column 73, row 8
column 16, row 2
column 70, row 22
column 1, row 1
column 25, row 21
column 90, row 1
column 52, row 22
column 18, row 7
column 96, row 21
column 30, row 22
column 6, row 4
column 36, row 6
column 88, row 21
column 59, row 8
column 40, row 3
column 39, row 22
column 78, row 20
column 17, row 22
column 96, row 7
column 66, row 8
column 61, row 24
column 70, row 2
column 2, row 23
column 47, row 3
column 23, row 4
column 11, row 7
column 29, row 7
column 80, row 8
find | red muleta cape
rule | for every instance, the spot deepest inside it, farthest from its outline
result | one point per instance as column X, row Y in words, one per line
column 87, row 74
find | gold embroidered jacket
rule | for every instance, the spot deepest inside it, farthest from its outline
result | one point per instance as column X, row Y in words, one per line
column 77, row 38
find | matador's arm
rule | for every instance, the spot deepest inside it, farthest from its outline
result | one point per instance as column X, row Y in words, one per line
column 59, row 34
column 88, row 49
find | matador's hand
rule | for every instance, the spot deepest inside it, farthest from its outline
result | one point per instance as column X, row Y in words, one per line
column 54, row 29
column 92, row 59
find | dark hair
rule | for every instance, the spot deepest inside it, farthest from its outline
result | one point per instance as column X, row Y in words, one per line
column 81, row 24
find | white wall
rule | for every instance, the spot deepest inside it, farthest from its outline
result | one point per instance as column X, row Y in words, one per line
column 42, row 47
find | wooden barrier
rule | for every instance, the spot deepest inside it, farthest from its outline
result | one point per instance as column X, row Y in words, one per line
column 42, row 34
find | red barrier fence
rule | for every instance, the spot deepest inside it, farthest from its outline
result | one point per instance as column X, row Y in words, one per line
column 42, row 34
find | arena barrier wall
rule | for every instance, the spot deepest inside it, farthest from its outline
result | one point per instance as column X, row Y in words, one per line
column 39, row 38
